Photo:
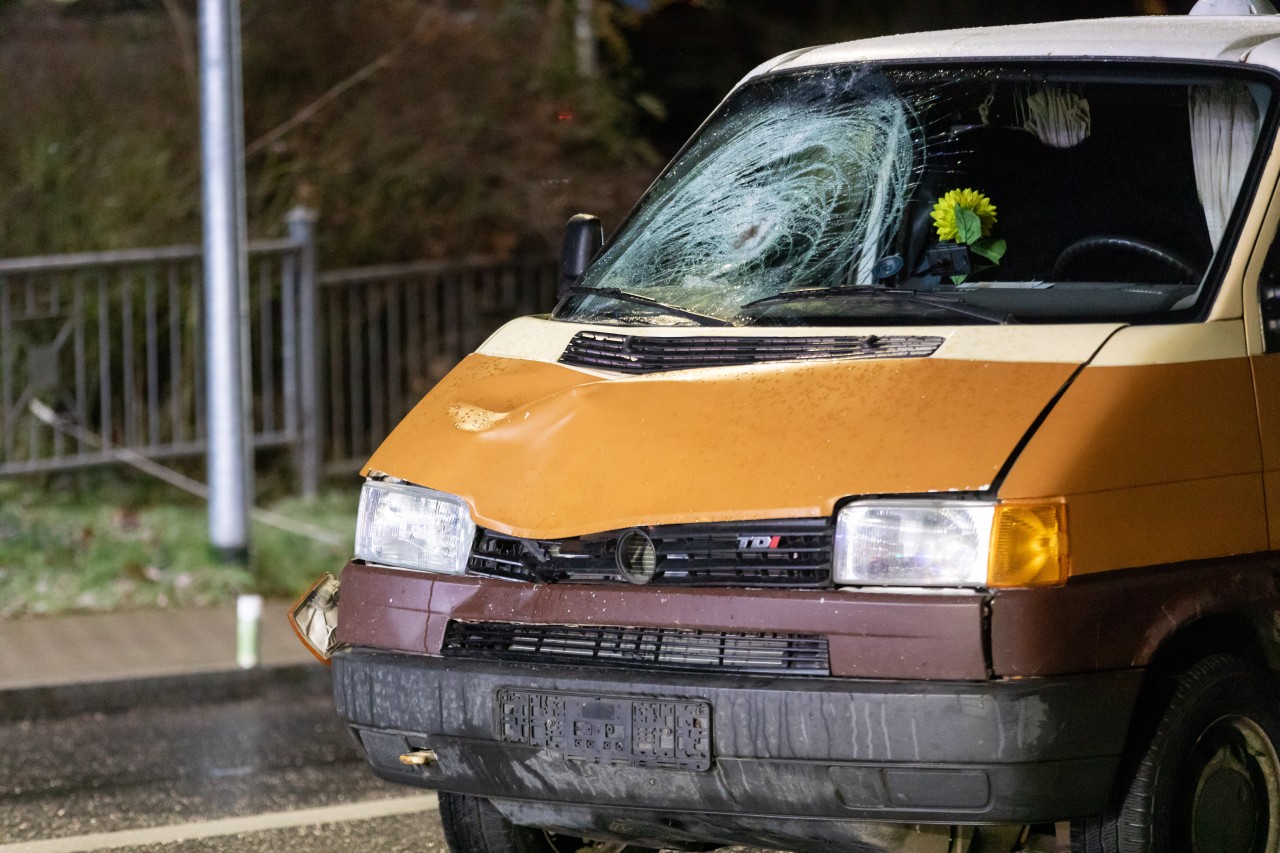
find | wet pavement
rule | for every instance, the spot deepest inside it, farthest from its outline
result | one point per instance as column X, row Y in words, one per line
column 248, row 770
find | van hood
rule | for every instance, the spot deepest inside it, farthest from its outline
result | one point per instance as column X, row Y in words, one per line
column 541, row 450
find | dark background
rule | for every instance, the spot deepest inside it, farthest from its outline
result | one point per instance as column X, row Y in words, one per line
column 691, row 54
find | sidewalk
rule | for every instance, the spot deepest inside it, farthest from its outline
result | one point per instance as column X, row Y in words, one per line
column 40, row 651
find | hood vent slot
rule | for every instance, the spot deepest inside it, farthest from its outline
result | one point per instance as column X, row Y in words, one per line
column 636, row 354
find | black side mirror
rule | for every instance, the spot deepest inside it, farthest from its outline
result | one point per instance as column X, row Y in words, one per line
column 583, row 238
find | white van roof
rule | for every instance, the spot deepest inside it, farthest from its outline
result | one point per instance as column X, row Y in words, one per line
column 1230, row 39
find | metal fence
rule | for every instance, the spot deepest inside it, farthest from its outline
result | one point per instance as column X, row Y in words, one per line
column 112, row 344
column 391, row 332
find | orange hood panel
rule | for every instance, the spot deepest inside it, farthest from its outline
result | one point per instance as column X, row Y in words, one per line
column 544, row 451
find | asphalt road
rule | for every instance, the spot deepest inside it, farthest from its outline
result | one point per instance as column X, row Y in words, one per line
column 270, row 774
column 273, row 773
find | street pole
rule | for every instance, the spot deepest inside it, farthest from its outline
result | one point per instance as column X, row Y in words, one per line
column 226, row 279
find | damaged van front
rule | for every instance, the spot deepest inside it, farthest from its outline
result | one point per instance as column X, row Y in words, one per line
column 903, row 464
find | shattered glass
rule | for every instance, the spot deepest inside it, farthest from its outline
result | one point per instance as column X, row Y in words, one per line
column 806, row 200
column 804, row 188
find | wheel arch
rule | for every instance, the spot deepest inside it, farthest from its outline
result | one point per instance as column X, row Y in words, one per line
column 1249, row 633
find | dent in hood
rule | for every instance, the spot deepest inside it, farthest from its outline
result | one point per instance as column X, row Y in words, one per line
column 541, row 450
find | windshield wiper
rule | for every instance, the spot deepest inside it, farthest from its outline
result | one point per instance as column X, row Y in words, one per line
column 624, row 296
column 953, row 304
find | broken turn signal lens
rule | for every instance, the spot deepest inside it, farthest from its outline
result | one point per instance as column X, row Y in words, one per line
column 315, row 618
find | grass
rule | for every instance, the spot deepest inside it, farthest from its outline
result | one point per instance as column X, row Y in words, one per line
column 107, row 540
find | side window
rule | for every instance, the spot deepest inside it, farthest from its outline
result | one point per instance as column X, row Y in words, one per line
column 1269, row 296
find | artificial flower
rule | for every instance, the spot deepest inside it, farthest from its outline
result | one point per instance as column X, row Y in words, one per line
column 944, row 213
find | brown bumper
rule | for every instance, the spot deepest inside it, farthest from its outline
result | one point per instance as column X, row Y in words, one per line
column 869, row 635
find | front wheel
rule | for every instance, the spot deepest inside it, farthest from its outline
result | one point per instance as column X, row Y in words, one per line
column 1208, row 780
column 473, row 825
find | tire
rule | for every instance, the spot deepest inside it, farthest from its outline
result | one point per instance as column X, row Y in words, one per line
column 1207, row 779
column 473, row 825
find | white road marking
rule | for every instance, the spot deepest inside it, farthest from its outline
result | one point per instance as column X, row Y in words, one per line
column 344, row 813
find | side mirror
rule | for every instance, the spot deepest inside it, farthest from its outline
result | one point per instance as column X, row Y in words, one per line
column 583, row 238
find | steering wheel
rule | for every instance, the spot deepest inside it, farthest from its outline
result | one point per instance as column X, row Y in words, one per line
column 1144, row 248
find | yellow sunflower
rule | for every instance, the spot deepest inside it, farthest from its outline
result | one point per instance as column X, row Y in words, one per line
column 944, row 212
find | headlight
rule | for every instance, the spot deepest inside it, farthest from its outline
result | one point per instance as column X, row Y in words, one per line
column 413, row 528
column 913, row 543
column 951, row 543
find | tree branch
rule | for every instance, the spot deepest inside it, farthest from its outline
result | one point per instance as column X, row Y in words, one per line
column 336, row 91
column 186, row 45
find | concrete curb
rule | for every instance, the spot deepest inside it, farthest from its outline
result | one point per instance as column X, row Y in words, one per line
column 47, row 702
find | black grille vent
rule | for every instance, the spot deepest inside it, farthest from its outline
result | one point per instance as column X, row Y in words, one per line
column 643, row 354
column 646, row 648
column 790, row 553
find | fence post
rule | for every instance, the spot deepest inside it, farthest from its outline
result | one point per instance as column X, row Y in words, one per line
column 301, row 223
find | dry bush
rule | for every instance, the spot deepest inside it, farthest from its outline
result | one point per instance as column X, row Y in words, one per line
column 472, row 134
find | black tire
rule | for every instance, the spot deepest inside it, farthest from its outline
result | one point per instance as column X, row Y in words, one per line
column 1207, row 779
column 473, row 825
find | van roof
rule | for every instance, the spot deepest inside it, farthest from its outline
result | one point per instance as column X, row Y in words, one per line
column 1200, row 37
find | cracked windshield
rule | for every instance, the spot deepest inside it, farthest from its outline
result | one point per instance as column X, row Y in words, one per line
column 859, row 195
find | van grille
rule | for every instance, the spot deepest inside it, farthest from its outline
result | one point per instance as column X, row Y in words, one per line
column 788, row 553
column 645, row 648
column 644, row 354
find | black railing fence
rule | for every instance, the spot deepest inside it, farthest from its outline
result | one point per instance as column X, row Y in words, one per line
column 104, row 352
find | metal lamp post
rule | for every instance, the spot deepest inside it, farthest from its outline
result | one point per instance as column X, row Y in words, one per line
column 225, row 279
column 226, row 303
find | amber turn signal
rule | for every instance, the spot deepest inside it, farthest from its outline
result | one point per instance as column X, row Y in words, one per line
column 1028, row 544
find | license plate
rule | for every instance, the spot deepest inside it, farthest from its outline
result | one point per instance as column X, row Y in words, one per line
column 670, row 733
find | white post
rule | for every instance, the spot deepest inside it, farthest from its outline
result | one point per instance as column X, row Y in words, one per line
column 225, row 279
column 248, row 631
column 584, row 36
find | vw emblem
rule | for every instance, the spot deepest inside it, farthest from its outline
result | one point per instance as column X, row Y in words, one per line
column 637, row 557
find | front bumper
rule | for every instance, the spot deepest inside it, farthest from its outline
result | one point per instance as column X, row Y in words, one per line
column 822, row 752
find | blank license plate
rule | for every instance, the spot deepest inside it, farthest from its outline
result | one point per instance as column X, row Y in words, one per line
column 671, row 733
